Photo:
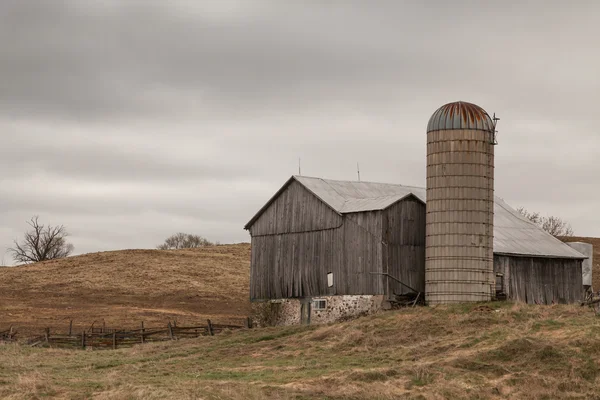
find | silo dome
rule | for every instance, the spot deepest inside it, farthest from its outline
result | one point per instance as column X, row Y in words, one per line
column 460, row 115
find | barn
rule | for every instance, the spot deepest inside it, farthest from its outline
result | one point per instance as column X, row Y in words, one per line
column 323, row 250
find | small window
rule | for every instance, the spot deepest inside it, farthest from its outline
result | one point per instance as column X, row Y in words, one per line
column 330, row 279
column 319, row 304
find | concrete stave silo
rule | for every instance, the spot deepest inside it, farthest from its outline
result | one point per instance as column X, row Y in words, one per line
column 460, row 205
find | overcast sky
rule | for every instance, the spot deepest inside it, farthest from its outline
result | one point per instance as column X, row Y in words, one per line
column 127, row 121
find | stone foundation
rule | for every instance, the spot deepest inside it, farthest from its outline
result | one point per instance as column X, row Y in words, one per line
column 316, row 310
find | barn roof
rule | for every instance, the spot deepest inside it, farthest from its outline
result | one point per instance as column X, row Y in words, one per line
column 513, row 233
column 348, row 196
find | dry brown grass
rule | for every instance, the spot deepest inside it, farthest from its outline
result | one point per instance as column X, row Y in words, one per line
column 458, row 352
column 502, row 350
column 125, row 287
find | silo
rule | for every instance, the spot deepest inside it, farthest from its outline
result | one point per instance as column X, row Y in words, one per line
column 459, row 258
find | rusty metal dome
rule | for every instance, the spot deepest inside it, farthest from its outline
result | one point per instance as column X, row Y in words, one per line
column 460, row 115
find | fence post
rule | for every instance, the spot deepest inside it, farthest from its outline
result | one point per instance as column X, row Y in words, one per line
column 103, row 326
column 210, row 328
column 47, row 335
column 249, row 323
column 83, row 339
column 114, row 340
column 70, row 327
column 170, row 330
column 142, row 331
column 10, row 333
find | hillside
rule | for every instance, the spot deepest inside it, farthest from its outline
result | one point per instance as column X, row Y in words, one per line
column 493, row 351
column 123, row 288
column 596, row 257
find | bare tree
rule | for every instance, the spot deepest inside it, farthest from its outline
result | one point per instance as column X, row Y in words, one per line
column 184, row 241
column 553, row 225
column 42, row 243
column 556, row 226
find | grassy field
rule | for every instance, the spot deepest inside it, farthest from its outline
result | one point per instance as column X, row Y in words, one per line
column 123, row 288
column 499, row 350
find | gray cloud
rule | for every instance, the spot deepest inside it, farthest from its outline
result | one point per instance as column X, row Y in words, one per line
column 128, row 121
column 105, row 162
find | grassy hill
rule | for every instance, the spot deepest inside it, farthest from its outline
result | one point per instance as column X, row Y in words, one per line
column 123, row 288
column 493, row 351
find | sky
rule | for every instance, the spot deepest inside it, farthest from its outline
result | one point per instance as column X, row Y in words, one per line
column 129, row 121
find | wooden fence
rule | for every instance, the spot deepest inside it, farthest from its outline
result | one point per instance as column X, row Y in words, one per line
column 8, row 335
column 102, row 337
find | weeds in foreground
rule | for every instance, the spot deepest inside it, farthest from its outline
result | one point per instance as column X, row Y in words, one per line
column 461, row 351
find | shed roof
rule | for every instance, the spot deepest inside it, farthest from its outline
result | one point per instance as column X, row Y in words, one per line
column 513, row 233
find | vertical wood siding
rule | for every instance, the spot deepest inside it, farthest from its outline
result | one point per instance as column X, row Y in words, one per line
column 536, row 280
column 362, row 253
column 296, row 241
column 295, row 210
column 404, row 232
column 295, row 265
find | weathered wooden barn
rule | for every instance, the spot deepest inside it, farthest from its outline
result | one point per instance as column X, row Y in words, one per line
column 317, row 238
column 531, row 265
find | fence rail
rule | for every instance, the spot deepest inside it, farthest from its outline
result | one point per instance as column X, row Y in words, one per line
column 102, row 337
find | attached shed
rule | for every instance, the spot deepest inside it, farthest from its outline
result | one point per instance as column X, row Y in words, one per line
column 531, row 265
column 326, row 238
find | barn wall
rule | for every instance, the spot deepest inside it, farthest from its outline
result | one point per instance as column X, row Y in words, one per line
column 295, row 264
column 363, row 254
column 403, row 227
column 295, row 210
column 296, row 241
column 536, row 280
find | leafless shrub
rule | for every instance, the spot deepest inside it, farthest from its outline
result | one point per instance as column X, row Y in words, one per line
column 42, row 243
column 556, row 226
column 553, row 225
column 184, row 241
